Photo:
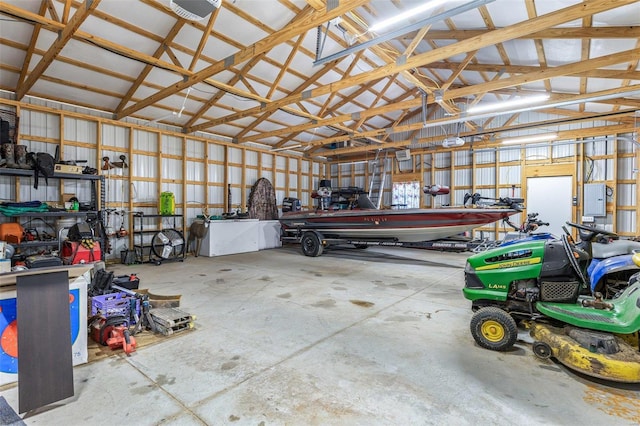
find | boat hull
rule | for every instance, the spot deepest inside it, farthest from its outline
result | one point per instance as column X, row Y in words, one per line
column 409, row 225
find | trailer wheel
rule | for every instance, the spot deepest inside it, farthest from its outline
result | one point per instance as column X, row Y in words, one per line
column 492, row 328
column 311, row 245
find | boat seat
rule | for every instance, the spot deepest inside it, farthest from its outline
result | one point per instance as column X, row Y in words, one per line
column 614, row 248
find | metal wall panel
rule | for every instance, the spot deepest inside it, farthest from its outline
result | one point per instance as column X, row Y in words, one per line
column 235, row 155
column 485, row 157
column 36, row 123
column 250, row 176
column 626, row 219
column 216, row 153
column 626, row 194
column 626, row 166
column 293, row 165
column 216, row 175
column 485, row 176
column 145, row 141
column 281, row 162
column 172, row 168
column 509, row 175
column 251, row 158
column 267, row 160
column 116, row 136
column 195, row 149
column 462, row 177
column 462, row 158
column 171, row 145
column 234, row 174
column 563, row 151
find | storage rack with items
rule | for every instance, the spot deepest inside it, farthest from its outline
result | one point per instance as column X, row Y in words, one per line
column 94, row 214
column 165, row 244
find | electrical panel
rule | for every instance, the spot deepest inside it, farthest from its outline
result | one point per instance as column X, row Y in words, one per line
column 595, row 199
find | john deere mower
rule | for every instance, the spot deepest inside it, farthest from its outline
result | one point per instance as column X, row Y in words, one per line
column 543, row 285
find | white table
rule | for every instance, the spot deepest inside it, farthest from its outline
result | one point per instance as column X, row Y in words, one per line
column 230, row 237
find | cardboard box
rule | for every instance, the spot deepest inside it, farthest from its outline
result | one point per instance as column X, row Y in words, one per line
column 8, row 327
column 65, row 168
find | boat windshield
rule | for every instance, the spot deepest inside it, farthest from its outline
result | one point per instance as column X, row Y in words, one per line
column 364, row 202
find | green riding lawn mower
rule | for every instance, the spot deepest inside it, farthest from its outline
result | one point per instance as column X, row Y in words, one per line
column 543, row 285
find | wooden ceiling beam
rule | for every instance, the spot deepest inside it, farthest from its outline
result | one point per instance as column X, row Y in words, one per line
column 568, row 134
column 203, row 40
column 173, row 32
column 32, row 45
column 266, row 44
column 567, row 14
column 564, row 33
column 543, row 74
column 285, row 66
column 74, row 23
column 542, row 57
column 524, row 69
column 413, row 126
column 65, row 12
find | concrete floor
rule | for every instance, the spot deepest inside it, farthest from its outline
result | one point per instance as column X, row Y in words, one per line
column 357, row 337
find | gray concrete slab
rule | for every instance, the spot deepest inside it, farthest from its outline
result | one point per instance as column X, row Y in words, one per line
column 376, row 336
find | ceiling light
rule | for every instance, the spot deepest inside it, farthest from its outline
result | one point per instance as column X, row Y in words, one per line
column 532, row 138
column 194, row 10
column 525, row 100
column 406, row 15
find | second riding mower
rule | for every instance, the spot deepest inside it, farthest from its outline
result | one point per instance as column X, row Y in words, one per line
column 543, row 285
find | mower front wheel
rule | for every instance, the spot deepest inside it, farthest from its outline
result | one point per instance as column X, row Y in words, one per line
column 492, row 328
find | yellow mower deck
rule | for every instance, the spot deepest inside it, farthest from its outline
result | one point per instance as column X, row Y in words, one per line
column 623, row 366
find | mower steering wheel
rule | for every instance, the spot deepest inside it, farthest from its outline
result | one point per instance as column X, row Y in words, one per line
column 592, row 232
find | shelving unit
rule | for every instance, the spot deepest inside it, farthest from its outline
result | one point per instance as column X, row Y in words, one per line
column 166, row 244
column 97, row 200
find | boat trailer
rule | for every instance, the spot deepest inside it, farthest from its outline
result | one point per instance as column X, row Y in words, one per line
column 313, row 242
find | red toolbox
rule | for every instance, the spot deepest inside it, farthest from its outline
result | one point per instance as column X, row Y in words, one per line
column 75, row 252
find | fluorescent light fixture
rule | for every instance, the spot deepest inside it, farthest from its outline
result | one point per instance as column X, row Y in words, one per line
column 532, row 138
column 406, row 15
column 498, row 106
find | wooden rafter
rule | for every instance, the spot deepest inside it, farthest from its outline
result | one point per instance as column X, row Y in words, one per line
column 74, row 23
column 413, row 126
column 263, row 45
column 147, row 68
column 558, row 17
column 203, row 39
column 32, row 44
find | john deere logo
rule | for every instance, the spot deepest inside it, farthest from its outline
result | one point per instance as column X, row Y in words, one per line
column 510, row 264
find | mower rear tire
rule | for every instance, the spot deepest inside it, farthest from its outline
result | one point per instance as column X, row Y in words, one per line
column 494, row 329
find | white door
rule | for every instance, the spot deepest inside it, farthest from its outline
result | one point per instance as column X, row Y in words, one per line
column 551, row 197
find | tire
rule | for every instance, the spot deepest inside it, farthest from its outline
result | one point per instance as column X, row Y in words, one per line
column 311, row 245
column 494, row 329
